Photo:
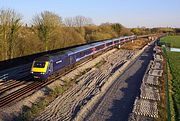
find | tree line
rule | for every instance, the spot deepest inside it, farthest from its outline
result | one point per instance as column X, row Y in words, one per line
column 49, row 31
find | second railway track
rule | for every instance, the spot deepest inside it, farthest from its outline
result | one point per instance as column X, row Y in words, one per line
column 10, row 84
column 24, row 91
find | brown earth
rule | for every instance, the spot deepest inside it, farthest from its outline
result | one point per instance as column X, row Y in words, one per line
column 137, row 44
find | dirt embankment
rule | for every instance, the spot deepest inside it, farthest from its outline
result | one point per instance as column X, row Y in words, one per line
column 136, row 44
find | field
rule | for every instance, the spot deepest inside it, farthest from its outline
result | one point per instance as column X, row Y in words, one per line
column 173, row 40
column 174, row 63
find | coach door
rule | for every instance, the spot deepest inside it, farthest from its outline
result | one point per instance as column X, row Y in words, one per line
column 51, row 67
column 71, row 59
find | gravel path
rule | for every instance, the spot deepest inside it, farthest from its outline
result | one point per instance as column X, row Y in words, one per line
column 117, row 103
column 66, row 107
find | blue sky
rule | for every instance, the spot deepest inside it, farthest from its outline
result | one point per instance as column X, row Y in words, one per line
column 130, row 13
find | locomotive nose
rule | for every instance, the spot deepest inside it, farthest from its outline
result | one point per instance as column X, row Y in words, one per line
column 39, row 69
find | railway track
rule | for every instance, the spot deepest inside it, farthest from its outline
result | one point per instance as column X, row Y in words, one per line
column 24, row 91
column 28, row 89
column 11, row 86
column 4, row 83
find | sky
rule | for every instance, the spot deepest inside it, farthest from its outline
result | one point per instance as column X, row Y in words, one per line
column 130, row 13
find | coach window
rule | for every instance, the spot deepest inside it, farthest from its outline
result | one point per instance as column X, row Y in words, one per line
column 87, row 52
column 81, row 54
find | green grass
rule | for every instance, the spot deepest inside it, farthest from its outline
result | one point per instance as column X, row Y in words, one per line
column 174, row 62
column 173, row 40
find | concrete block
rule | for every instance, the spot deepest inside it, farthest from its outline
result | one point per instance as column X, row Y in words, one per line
column 155, row 72
column 151, row 80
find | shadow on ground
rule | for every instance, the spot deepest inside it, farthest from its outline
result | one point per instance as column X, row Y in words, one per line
column 122, row 108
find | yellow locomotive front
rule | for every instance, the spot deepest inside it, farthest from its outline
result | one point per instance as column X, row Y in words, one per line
column 39, row 70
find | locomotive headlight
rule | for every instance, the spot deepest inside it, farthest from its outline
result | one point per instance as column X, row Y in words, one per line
column 32, row 72
column 42, row 73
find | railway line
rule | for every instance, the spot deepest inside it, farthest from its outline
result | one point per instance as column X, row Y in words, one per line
column 21, row 72
column 28, row 89
column 24, row 91
column 11, row 85
column 91, row 82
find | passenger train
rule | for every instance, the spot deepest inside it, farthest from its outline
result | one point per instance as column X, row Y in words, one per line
column 47, row 65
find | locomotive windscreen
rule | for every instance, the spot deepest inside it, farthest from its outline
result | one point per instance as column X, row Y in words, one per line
column 39, row 64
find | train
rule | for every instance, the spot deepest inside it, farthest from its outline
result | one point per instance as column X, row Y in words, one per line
column 45, row 66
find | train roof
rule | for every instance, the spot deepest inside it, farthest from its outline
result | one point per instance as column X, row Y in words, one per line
column 116, row 39
column 81, row 48
column 64, row 52
column 75, row 49
column 42, row 58
column 97, row 44
column 108, row 41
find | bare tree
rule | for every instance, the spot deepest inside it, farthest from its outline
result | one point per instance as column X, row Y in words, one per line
column 69, row 22
column 10, row 23
column 77, row 21
column 45, row 23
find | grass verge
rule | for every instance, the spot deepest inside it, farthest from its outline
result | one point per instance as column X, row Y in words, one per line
column 173, row 59
column 174, row 63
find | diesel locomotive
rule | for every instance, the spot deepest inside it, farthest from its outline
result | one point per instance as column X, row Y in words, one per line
column 45, row 66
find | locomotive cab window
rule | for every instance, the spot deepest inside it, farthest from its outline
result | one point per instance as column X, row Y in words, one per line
column 39, row 64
